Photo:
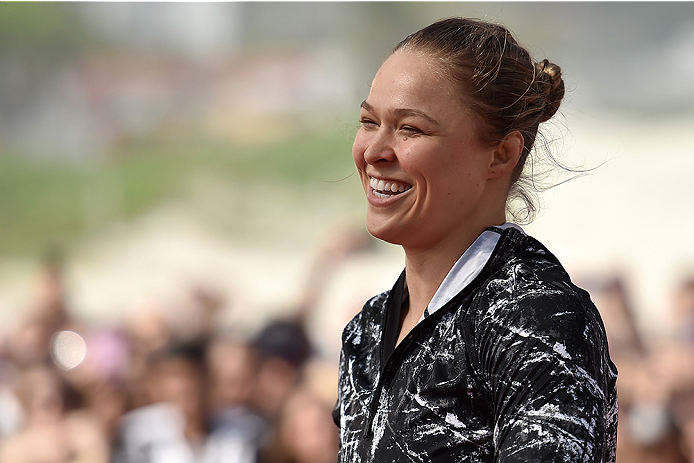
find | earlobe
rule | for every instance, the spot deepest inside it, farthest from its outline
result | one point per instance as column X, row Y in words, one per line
column 506, row 155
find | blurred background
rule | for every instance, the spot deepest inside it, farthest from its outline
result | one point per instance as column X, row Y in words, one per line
column 181, row 226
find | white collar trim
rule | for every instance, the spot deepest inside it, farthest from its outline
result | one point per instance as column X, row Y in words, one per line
column 468, row 266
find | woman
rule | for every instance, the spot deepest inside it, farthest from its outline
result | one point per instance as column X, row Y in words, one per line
column 483, row 350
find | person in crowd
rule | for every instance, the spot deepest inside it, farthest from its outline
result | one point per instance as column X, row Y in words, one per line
column 304, row 432
column 647, row 431
column 673, row 359
column 484, row 350
column 170, row 424
column 283, row 347
column 56, row 429
column 236, row 430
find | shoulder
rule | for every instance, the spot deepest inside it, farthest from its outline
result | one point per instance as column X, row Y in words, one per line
column 540, row 348
column 367, row 322
column 533, row 287
column 531, row 303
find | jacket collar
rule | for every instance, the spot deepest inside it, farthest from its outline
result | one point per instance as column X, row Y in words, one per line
column 468, row 266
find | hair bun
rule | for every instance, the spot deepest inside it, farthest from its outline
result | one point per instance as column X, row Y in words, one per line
column 551, row 85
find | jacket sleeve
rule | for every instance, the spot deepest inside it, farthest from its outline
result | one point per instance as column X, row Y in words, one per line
column 542, row 353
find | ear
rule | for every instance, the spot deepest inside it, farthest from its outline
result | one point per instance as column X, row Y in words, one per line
column 506, row 155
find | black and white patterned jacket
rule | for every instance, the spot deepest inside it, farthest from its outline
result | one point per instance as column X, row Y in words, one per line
column 514, row 367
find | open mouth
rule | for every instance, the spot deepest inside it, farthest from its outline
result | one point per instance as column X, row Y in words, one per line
column 387, row 188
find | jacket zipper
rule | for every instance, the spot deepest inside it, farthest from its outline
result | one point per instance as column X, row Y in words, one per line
column 387, row 369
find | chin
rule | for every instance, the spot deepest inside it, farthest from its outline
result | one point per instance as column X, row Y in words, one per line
column 383, row 232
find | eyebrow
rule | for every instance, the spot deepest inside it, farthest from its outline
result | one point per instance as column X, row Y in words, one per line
column 402, row 112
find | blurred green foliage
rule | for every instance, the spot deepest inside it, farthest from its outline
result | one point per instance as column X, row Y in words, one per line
column 43, row 203
column 19, row 20
column 41, row 29
column 47, row 201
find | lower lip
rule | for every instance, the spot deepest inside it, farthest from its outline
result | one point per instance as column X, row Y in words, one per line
column 377, row 199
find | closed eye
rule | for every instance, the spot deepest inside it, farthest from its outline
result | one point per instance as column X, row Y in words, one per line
column 366, row 122
column 411, row 130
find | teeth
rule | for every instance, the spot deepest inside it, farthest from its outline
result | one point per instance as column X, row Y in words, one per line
column 385, row 188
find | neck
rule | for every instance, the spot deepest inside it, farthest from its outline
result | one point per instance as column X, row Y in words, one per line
column 427, row 268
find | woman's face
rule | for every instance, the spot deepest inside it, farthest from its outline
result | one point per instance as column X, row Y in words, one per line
column 422, row 167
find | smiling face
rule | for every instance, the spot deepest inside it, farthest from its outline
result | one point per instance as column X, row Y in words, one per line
column 425, row 172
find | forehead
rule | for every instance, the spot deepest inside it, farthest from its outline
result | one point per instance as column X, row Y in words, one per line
column 410, row 80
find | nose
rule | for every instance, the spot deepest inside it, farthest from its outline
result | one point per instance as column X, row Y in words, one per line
column 379, row 147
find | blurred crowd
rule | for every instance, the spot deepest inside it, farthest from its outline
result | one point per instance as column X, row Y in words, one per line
column 656, row 374
column 152, row 391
